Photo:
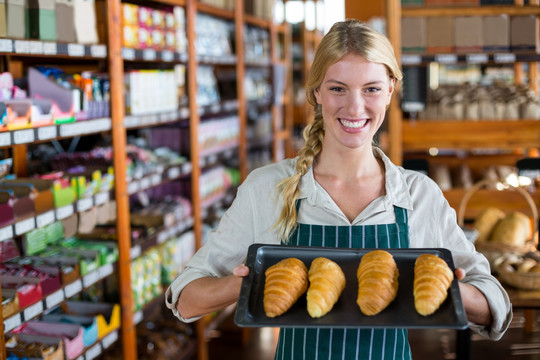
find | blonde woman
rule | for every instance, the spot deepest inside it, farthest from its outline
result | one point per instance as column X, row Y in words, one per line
column 344, row 186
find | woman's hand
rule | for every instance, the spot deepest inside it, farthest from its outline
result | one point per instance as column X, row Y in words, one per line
column 209, row 294
column 474, row 301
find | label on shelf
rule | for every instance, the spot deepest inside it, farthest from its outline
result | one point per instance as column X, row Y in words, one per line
column 184, row 113
column 93, row 352
column 45, row 219
column 167, row 55
column 145, row 183
column 64, row 212
column 477, row 58
column 75, row 50
column 73, row 288
column 97, row 125
column 131, row 121
column 12, row 322
column 173, row 172
column 156, row 179
column 54, row 299
column 5, row 139
column 105, row 271
column 25, row 226
column 133, row 187
column 128, row 54
column 50, row 48
column 91, row 278
column 33, row 310
column 138, row 317
column 186, row 168
column 68, row 130
column 101, row 198
column 446, row 58
column 6, row 45
column 149, row 54
column 98, row 51
column 84, row 204
column 6, row 232
column 36, row 47
column 411, row 59
column 22, row 46
column 23, row 136
column 504, row 58
column 46, row 133
column 109, row 339
column 135, row 252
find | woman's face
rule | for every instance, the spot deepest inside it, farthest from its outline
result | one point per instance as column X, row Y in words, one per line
column 354, row 95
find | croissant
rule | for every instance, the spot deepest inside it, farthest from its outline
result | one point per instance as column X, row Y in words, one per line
column 326, row 283
column 377, row 281
column 432, row 278
column 285, row 282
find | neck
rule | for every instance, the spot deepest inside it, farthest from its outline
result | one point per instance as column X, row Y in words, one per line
column 348, row 164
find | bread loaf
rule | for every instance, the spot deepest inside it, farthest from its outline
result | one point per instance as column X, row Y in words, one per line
column 284, row 283
column 377, row 281
column 486, row 221
column 432, row 278
column 514, row 229
column 326, row 283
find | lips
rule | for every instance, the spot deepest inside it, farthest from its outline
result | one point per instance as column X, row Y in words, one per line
column 353, row 124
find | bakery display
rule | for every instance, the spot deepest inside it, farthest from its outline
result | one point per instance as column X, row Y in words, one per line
column 519, row 271
column 285, row 282
column 326, row 283
column 486, row 221
column 514, row 229
column 377, row 281
column 432, row 279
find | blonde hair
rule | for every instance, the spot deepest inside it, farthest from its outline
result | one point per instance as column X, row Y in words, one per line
column 350, row 36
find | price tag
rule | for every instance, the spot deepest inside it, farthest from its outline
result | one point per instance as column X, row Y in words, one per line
column 411, row 59
column 167, row 55
column 135, row 252
column 446, row 58
column 54, row 299
column 80, row 357
column 504, row 58
column 149, row 54
column 23, row 136
column 5, row 139
column 36, row 47
column 73, row 288
column 109, row 339
column 90, row 278
column 33, row 310
column 104, row 124
column 46, row 133
column 98, row 51
column 215, row 108
column 156, row 179
column 12, row 322
column 162, row 237
column 45, row 219
column 69, row 130
column 128, row 54
column 184, row 113
column 93, row 352
column 131, row 121
column 137, row 317
column 101, row 198
column 24, row 226
column 477, row 58
column 145, row 183
column 22, row 46
column 84, row 204
column 64, row 212
column 75, row 50
column 50, row 48
column 133, row 187
column 173, row 173
column 6, row 233
column 183, row 57
column 105, row 271
column 186, row 168
column 6, row 45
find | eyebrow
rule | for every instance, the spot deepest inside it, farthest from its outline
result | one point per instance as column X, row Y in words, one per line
column 366, row 84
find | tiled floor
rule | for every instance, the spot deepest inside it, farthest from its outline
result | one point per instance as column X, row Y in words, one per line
column 425, row 344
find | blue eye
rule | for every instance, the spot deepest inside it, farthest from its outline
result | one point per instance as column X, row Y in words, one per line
column 336, row 89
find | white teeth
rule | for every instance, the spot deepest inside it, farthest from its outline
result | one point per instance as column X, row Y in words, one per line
column 352, row 124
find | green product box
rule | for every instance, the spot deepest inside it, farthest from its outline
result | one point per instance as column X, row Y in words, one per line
column 41, row 19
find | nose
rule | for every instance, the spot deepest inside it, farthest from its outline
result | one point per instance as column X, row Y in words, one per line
column 355, row 103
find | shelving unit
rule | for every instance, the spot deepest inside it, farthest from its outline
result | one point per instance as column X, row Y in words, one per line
column 113, row 58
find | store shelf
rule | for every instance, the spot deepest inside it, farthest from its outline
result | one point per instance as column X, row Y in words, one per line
column 38, row 48
column 473, row 10
column 466, row 135
column 469, row 58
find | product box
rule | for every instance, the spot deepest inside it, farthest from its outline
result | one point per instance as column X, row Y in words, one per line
column 468, row 33
column 42, row 19
column 19, row 114
column 524, row 33
column 27, row 294
column 65, row 21
column 440, row 35
column 85, row 21
column 40, row 190
column 23, row 204
column 35, row 347
column 7, row 213
column 413, row 34
column 16, row 19
column 3, row 19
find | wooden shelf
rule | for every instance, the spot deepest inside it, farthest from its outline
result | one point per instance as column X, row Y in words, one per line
column 504, row 134
column 472, row 10
column 215, row 11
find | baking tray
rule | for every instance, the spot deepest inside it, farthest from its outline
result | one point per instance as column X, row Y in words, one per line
column 345, row 313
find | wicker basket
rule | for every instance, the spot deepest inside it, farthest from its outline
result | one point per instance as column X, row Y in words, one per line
column 520, row 280
column 494, row 250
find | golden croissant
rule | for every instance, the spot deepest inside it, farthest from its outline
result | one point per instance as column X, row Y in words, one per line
column 377, row 281
column 432, row 278
column 285, row 282
column 326, row 283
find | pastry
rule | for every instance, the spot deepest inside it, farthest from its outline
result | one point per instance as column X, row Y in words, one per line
column 326, row 283
column 377, row 281
column 514, row 229
column 432, row 278
column 284, row 283
column 486, row 221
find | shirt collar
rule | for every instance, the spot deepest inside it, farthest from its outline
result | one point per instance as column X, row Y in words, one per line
column 397, row 190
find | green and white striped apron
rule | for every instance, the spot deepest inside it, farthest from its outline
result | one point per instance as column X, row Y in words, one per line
column 347, row 343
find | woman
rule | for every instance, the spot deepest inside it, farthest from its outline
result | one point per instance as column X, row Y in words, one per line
column 340, row 181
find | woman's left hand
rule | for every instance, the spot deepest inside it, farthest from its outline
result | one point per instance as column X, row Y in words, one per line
column 474, row 301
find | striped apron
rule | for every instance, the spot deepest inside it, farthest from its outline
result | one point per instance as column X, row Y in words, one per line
column 347, row 343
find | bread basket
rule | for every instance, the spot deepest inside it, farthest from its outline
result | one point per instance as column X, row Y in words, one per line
column 513, row 275
column 494, row 250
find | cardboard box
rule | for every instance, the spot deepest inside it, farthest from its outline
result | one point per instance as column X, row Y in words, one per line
column 42, row 19
column 468, row 33
column 65, row 21
column 524, row 33
column 413, row 34
column 440, row 35
column 35, row 347
column 16, row 18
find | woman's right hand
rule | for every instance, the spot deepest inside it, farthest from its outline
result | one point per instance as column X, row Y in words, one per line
column 241, row 270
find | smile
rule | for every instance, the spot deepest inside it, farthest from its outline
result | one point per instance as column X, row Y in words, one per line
column 353, row 124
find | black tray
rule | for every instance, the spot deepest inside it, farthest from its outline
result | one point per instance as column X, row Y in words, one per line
column 345, row 313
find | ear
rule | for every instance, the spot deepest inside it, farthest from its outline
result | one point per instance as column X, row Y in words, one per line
column 391, row 88
column 317, row 95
